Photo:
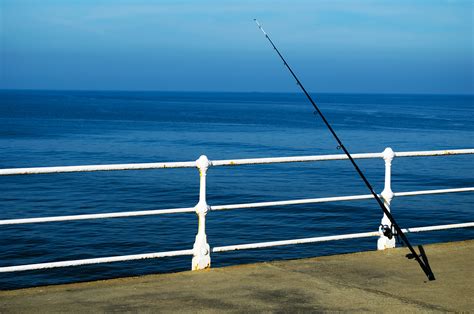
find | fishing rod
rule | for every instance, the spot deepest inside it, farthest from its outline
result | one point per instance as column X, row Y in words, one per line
column 387, row 231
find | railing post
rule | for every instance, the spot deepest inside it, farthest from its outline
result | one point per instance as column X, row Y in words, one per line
column 387, row 195
column 201, row 249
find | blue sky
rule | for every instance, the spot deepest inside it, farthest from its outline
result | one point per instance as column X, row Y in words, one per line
column 334, row 46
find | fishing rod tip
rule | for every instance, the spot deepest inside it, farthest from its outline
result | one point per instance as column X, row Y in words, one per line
column 260, row 26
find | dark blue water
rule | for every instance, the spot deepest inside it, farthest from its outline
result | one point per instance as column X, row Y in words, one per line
column 74, row 128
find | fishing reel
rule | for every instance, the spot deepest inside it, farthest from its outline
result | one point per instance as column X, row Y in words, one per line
column 387, row 231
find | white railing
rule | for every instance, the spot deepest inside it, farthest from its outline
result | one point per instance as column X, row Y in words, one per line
column 201, row 250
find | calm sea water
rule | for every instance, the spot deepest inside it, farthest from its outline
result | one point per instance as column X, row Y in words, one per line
column 51, row 128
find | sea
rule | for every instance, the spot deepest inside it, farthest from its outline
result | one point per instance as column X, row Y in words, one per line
column 62, row 128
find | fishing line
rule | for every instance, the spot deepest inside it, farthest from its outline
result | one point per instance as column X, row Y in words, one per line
column 418, row 257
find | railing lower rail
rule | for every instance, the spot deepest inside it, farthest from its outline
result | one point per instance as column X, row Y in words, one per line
column 201, row 249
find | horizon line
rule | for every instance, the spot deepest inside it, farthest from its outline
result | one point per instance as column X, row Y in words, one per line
column 228, row 92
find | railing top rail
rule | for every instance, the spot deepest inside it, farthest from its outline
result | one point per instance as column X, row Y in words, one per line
column 435, row 153
column 229, row 162
column 251, row 161
column 271, row 160
column 89, row 168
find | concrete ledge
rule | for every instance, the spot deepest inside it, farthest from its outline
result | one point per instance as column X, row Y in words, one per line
column 369, row 281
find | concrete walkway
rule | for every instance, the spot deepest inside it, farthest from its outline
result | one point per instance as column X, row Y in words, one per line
column 382, row 281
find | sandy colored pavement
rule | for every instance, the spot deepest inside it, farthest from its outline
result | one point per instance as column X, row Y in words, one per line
column 381, row 281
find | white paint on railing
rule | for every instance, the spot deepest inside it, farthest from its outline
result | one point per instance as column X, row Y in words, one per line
column 332, row 238
column 387, row 195
column 201, row 249
column 295, row 241
column 124, row 258
column 89, row 168
column 252, row 161
column 435, row 153
column 441, row 227
column 235, row 162
column 292, row 202
column 273, row 160
column 223, row 207
column 441, row 191
column 97, row 216
column 90, row 261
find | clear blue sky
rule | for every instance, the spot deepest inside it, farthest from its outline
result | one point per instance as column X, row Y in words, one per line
column 334, row 46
